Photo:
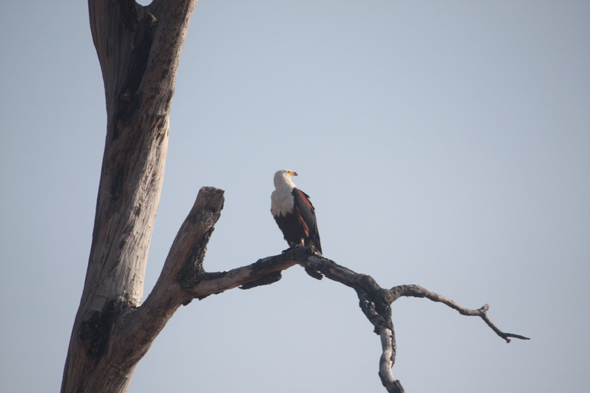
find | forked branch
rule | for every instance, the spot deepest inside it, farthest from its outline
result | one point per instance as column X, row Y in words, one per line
column 376, row 304
column 184, row 278
column 418, row 291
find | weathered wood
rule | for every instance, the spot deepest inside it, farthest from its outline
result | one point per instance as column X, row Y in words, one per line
column 374, row 301
column 114, row 340
column 138, row 49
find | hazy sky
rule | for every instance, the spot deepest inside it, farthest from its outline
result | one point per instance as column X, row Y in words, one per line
column 445, row 144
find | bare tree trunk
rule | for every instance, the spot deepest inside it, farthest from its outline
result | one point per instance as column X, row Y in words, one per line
column 139, row 50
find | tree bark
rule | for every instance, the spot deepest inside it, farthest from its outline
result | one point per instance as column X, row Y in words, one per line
column 139, row 50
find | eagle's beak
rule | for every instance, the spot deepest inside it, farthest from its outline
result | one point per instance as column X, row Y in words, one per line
column 293, row 173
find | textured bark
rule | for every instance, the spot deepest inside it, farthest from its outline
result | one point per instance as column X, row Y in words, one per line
column 374, row 301
column 138, row 49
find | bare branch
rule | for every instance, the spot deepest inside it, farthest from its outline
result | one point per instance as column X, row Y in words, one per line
column 184, row 263
column 375, row 303
column 263, row 272
column 183, row 278
column 387, row 360
column 418, row 291
column 184, row 267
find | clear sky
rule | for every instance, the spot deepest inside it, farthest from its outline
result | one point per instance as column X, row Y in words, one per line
column 445, row 144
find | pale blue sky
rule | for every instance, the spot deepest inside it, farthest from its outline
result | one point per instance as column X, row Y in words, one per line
column 445, row 144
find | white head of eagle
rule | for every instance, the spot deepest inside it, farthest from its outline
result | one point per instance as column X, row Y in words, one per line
column 293, row 212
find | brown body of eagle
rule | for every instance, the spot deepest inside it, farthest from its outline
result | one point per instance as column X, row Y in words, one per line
column 294, row 213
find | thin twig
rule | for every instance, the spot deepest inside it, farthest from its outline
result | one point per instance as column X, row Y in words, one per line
column 418, row 291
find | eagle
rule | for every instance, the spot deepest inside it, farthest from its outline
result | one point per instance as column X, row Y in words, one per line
column 294, row 213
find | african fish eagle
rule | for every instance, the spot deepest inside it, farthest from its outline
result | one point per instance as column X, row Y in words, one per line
column 293, row 212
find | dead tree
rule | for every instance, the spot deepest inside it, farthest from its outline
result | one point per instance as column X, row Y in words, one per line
column 139, row 50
